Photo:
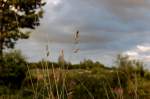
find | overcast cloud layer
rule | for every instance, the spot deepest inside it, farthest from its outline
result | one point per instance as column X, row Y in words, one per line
column 107, row 28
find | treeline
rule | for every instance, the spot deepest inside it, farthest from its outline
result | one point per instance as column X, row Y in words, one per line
column 86, row 64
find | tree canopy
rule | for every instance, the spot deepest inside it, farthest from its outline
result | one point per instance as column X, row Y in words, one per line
column 16, row 15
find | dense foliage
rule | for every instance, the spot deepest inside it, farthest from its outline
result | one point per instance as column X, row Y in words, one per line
column 13, row 69
column 16, row 15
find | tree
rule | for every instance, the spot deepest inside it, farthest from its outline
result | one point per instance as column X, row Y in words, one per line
column 15, row 17
column 13, row 71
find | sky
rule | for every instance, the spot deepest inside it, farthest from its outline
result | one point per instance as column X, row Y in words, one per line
column 107, row 28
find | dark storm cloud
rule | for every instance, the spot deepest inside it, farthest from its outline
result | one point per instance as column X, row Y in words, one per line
column 103, row 18
column 109, row 26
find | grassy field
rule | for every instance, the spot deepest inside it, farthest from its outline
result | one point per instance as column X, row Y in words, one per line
column 87, row 80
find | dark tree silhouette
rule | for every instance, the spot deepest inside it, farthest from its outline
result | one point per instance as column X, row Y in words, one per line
column 16, row 15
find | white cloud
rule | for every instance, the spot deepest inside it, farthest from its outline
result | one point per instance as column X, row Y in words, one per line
column 131, row 53
column 140, row 52
column 54, row 2
column 147, row 58
column 143, row 48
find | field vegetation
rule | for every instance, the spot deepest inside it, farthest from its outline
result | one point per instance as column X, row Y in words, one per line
column 88, row 80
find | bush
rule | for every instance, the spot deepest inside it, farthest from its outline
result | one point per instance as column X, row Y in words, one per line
column 91, row 87
column 13, row 69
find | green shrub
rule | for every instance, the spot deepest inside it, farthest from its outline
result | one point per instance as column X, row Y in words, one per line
column 147, row 75
column 91, row 87
column 13, row 69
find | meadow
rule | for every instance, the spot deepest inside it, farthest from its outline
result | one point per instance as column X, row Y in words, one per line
column 20, row 79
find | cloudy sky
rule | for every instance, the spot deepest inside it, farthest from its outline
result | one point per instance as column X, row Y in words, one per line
column 107, row 28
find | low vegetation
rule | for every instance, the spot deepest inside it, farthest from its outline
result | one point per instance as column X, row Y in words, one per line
column 87, row 80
